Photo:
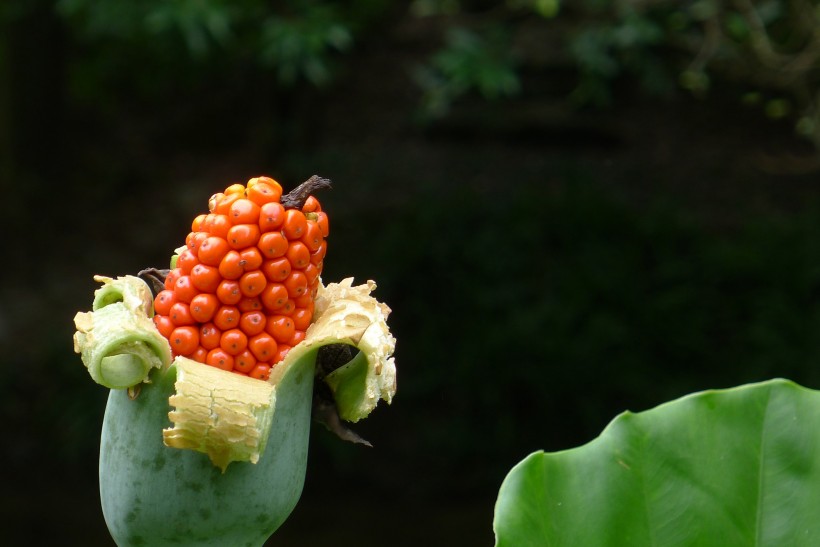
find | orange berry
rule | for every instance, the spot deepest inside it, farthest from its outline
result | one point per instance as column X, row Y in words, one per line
column 252, row 283
column 298, row 255
column 280, row 355
column 199, row 355
column 220, row 358
column 262, row 193
column 171, row 278
column 228, row 292
column 235, row 188
column 243, row 211
column 212, row 250
column 311, row 274
column 184, row 288
column 277, row 269
column 197, row 222
column 219, row 226
column 295, row 224
column 250, row 303
column 311, row 205
column 184, row 340
column 205, row 278
column 186, row 261
column 180, row 314
column 252, row 322
column 298, row 336
column 203, row 307
column 244, row 361
column 271, row 216
column 280, row 327
column 296, row 284
column 241, row 236
column 322, row 222
column 234, row 341
column 230, row 267
column 250, row 259
column 263, row 346
column 163, row 302
column 274, row 296
column 317, row 256
column 209, row 336
column 288, row 308
column 273, row 244
column 312, row 237
column 301, row 318
column 260, row 372
column 164, row 325
column 226, row 318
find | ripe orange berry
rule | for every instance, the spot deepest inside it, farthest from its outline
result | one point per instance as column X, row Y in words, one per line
column 203, row 307
column 230, row 267
column 280, row 355
column 220, row 358
column 277, row 269
column 223, row 206
column 163, row 302
column 209, row 336
column 273, row 244
column 298, row 255
column 260, row 372
column 212, row 250
column 184, row 340
column 244, row 361
column 322, row 222
column 226, row 317
column 298, row 336
column 199, row 355
column 244, row 211
column 233, row 341
column 263, row 346
column 280, row 327
column 186, row 261
column 241, row 236
column 311, row 205
column 250, row 259
column 250, row 303
column 271, row 216
column 301, row 318
column 296, row 284
column 180, row 314
column 313, row 236
column 252, row 322
column 294, row 224
column 219, row 226
column 164, row 325
column 274, row 296
column 252, row 283
column 184, row 288
column 171, row 278
column 228, row 292
column 262, row 193
column 205, row 278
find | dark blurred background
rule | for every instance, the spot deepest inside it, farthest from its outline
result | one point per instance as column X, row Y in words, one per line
column 573, row 208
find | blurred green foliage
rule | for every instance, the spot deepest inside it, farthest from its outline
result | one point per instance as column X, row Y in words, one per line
column 769, row 47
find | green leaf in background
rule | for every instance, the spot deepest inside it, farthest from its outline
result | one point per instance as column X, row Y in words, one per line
column 726, row 467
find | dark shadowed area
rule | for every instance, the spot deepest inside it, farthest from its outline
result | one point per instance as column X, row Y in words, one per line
column 572, row 210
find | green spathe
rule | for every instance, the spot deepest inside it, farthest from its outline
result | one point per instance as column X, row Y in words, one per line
column 154, row 495
column 724, row 467
column 117, row 340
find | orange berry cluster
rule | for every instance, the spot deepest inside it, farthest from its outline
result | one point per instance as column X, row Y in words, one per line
column 241, row 294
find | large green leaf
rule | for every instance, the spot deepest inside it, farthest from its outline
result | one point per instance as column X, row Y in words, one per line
column 726, row 467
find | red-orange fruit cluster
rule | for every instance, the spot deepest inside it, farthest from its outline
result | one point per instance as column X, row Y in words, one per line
column 241, row 294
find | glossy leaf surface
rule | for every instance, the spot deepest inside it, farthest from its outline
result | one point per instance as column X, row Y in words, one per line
column 725, row 467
